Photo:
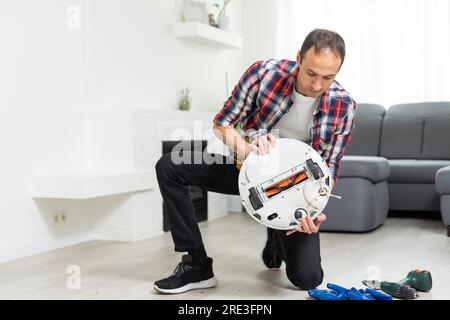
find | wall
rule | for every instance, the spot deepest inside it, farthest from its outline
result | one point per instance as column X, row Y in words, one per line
column 63, row 60
column 260, row 30
column 142, row 66
column 41, row 123
column 134, row 59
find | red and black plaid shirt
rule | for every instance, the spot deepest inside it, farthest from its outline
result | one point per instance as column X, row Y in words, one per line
column 264, row 94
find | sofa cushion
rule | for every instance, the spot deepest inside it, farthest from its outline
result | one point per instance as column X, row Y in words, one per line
column 375, row 169
column 443, row 180
column 415, row 171
column 413, row 197
column 366, row 136
column 416, row 131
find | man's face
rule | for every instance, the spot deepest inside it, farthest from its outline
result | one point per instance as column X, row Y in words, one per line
column 317, row 72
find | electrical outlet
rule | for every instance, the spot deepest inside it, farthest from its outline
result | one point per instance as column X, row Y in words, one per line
column 59, row 216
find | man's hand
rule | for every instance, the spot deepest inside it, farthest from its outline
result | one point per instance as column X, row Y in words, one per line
column 241, row 148
column 263, row 143
column 308, row 225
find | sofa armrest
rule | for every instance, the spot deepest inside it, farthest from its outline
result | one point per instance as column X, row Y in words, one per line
column 375, row 169
column 443, row 180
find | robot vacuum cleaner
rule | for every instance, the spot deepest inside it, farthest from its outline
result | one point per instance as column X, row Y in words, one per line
column 286, row 184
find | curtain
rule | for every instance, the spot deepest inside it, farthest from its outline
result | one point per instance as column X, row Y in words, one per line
column 398, row 51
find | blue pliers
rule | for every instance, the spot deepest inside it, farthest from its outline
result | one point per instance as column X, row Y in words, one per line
column 340, row 293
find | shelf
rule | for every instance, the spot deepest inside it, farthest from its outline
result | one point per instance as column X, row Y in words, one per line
column 205, row 34
column 87, row 186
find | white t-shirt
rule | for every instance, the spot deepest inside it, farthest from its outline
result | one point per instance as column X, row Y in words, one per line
column 297, row 123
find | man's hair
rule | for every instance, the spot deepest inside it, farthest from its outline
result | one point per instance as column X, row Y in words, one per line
column 322, row 39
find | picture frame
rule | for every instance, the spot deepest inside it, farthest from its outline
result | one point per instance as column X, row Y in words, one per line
column 195, row 11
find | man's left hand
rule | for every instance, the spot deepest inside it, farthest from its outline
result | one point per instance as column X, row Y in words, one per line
column 308, row 225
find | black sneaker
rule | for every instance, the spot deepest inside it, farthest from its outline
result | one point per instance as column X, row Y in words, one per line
column 270, row 257
column 187, row 276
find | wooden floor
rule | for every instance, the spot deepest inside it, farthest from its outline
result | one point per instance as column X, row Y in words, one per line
column 119, row 270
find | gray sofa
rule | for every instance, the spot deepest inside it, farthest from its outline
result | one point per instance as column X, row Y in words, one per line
column 398, row 159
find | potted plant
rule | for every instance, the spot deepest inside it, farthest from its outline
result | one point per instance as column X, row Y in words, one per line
column 223, row 20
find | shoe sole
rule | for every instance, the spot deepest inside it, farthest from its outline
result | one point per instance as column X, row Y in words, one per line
column 205, row 284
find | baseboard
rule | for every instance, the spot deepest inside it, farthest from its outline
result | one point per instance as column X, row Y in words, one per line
column 31, row 249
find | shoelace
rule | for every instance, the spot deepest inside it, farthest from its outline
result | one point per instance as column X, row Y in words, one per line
column 180, row 268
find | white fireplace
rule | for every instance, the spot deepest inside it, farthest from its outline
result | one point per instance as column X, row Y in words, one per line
column 138, row 136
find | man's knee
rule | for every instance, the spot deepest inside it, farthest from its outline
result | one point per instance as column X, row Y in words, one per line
column 305, row 279
column 164, row 164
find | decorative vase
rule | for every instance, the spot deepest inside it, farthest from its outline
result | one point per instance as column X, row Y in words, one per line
column 185, row 104
column 185, row 101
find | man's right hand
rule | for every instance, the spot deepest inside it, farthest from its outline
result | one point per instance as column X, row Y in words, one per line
column 239, row 145
column 263, row 143
column 259, row 145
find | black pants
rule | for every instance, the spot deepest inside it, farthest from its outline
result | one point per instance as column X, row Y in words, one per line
column 300, row 251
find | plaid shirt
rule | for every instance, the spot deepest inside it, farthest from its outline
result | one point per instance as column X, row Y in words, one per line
column 264, row 94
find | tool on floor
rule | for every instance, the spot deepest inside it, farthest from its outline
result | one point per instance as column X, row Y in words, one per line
column 395, row 289
column 418, row 279
column 286, row 184
column 337, row 292
column 407, row 288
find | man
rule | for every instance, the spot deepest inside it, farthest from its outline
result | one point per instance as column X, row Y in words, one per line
column 301, row 100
